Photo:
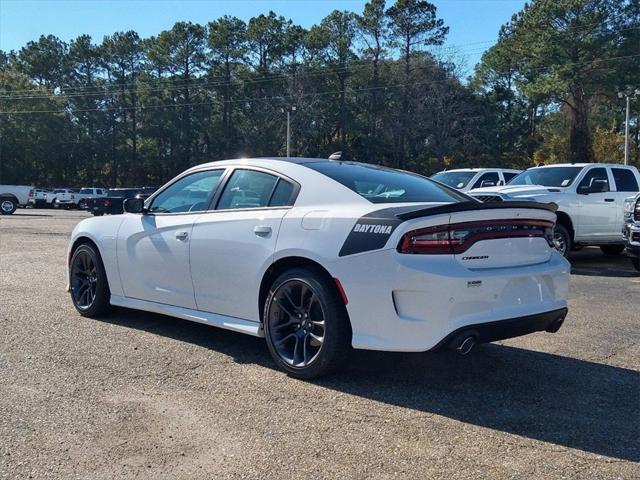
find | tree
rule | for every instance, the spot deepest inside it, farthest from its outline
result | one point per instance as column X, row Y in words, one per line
column 414, row 24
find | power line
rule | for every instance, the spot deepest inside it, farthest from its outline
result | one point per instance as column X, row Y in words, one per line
column 261, row 99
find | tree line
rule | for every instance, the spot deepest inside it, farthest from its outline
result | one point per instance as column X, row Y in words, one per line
column 136, row 111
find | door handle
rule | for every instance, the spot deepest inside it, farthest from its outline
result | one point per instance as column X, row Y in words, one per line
column 182, row 236
column 262, row 230
column 609, row 199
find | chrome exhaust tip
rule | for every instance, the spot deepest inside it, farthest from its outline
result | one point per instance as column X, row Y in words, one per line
column 465, row 345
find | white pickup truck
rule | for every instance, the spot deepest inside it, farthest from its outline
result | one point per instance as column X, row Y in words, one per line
column 71, row 198
column 465, row 179
column 11, row 196
column 590, row 199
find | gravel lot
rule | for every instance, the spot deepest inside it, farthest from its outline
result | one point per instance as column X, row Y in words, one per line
column 139, row 395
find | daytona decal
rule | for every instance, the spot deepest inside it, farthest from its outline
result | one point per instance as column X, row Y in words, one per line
column 371, row 232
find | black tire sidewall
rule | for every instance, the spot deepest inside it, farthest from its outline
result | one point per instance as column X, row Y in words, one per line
column 562, row 230
column 337, row 334
column 101, row 305
column 13, row 203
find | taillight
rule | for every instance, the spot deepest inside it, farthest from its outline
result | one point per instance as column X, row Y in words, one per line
column 31, row 193
column 459, row 237
column 106, row 203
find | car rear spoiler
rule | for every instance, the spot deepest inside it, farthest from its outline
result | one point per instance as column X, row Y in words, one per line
column 469, row 206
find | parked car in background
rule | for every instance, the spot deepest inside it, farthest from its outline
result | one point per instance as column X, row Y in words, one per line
column 590, row 198
column 465, row 179
column 38, row 197
column 12, row 196
column 89, row 192
column 631, row 229
column 111, row 204
column 63, row 198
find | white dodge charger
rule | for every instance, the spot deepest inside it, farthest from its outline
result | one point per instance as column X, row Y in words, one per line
column 319, row 256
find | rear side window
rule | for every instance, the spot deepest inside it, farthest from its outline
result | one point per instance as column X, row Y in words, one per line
column 625, row 180
column 247, row 189
column 384, row 185
column 508, row 176
column 489, row 179
column 282, row 194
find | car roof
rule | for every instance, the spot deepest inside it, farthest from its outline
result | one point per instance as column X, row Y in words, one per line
column 584, row 165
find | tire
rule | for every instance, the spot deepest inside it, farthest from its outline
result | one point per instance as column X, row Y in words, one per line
column 636, row 263
column 88, row 280
column 82, row 204
column 562, row 239
column 7, row 206
column 311, row 337
column 97, row 214
column 612, row 249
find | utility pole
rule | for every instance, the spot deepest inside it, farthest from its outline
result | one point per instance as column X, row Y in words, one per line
column 626, row 122
column 289, row 110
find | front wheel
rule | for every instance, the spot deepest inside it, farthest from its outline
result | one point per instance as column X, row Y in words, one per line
column 562, row 240
column 89, row 286
column 306, row 324
column 7, row 206
column 612, row 249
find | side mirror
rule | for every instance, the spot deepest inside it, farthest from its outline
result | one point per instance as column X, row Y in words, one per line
column 133, row 205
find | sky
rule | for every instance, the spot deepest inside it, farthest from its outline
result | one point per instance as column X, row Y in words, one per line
column 473, row 24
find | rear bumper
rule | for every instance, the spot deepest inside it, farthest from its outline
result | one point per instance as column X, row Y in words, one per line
column 413, row 303
column 510, row 328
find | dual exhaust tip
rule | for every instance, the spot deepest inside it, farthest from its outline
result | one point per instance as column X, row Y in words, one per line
column 464, row 343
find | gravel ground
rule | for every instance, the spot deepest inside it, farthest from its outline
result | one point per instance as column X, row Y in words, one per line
column 139, row 395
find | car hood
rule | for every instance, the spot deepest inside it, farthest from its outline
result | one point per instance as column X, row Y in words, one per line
column 516, row 191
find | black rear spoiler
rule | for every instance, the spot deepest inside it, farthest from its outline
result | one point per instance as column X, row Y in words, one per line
column 470, row 206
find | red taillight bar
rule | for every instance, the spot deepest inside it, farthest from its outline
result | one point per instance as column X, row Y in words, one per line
column 459, row 237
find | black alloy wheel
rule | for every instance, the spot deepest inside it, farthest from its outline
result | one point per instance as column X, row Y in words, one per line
column 88, row 281
column 306, row 324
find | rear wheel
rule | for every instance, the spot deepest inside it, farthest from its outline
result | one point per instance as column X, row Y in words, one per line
column 89, row 287
column 8, row 206
column 612, row 249
column 306, row 324
column 562, row 239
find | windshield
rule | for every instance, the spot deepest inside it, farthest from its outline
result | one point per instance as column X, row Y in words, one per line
column 384, row 185
column 455, row 179
column 547, row 176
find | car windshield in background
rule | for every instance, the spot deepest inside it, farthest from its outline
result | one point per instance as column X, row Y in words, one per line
column 383, row 185
column 455, row 179
column 547, row 176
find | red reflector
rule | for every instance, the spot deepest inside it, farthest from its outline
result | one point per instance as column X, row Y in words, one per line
column 341, row 290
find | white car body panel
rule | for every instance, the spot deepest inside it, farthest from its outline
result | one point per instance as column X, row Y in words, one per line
column 398, row 302
column 596, row 217
column 20, row 192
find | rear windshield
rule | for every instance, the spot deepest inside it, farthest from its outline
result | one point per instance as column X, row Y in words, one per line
column 384, row 185
column 547, row 176
column 123, row 193
column 455, row 179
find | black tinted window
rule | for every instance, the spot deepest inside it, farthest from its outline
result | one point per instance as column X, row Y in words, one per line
column 384, row 185
column 625, row 180
column 595, row 181
column 508, row 176
column 282, row 194
column 489, row 179
column 247, row 189
column 455, row 179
